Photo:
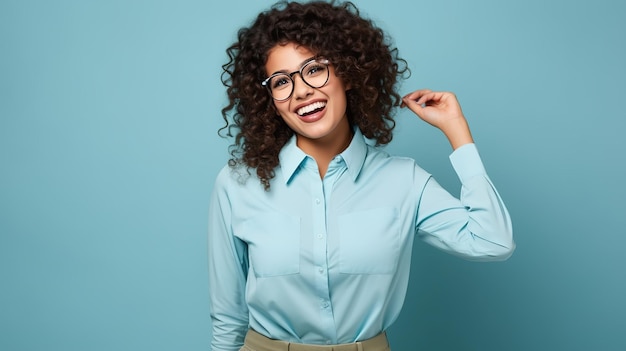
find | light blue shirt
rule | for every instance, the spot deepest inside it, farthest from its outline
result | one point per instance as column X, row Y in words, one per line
column 326, row 261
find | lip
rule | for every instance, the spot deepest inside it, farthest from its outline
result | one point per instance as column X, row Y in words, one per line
column 306, row 104
column 312, row 117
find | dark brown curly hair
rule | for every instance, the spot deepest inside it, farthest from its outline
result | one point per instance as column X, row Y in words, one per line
column 359, row 51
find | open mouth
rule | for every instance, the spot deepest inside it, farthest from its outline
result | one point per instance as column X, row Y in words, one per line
column 311, row 109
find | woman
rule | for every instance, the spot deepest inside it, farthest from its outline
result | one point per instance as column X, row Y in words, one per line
column 311, row 227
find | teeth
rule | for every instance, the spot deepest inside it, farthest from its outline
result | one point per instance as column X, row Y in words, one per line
column 309, row 108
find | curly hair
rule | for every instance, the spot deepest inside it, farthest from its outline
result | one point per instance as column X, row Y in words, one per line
column 359, row 51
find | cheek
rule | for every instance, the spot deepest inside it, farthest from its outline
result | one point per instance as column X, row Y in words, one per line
column 343, row 83
column 280, row 107
column 341, row 96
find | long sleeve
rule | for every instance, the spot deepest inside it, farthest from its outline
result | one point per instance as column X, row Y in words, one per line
column 228, row 266
column 292, row 263
column 477, row 226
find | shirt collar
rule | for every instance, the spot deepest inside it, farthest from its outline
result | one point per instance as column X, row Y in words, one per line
column 291, row 156
column 354, row 155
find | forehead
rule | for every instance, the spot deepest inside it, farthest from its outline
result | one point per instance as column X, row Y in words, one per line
column 287, row 57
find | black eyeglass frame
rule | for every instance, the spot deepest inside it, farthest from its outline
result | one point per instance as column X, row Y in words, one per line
column 320, row 60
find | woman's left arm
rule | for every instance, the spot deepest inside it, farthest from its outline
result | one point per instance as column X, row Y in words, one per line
column 478, row 225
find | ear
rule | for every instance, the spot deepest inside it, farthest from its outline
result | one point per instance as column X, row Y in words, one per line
column 347, row 85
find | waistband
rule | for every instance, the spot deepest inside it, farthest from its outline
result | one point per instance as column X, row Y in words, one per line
column 257, row 342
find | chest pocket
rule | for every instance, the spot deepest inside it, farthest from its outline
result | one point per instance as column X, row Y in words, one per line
column 273, row 244
column 369, row 241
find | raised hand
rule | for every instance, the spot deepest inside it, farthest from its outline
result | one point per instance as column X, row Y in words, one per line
column 441, row 110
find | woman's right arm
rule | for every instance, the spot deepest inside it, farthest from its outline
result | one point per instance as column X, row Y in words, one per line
column 228, row 267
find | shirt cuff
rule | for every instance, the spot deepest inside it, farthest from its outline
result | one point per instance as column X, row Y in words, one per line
column 466, row 162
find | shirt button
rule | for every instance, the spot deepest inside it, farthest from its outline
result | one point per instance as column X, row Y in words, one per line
column 328, row 342
column 317, row 201
column 321, row 270
column 319, row 236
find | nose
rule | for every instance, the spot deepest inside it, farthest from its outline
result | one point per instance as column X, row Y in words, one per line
column 300, row 88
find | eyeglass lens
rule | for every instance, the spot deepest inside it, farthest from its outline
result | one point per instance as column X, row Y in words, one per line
column 314, row 74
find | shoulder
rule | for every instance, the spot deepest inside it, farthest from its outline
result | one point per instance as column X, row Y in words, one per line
column 379, row 157
column 232, row 174
column 394, row 166
column 238, row 178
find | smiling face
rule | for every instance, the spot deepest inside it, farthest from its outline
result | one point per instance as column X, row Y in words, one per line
column 316, row 115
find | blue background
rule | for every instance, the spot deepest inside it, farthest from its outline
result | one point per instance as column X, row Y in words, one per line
column 108, row 151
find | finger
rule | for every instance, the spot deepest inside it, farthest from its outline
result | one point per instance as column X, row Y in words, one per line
column 424, row 97
column 413, row 106
column 437, row 98
column 409, row 100
column 415, row 95
column 428, row 99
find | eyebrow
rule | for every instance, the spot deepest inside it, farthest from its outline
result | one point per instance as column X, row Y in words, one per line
column 301, row 64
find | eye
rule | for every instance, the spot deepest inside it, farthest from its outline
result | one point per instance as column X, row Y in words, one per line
column 280, row 82
column 315, row 69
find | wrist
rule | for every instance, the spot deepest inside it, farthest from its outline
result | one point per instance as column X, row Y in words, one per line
column 458, row 133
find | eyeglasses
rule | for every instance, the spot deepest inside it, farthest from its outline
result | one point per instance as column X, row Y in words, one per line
column 314, row 73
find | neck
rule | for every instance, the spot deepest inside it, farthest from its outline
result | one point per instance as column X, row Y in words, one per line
column 325, row 149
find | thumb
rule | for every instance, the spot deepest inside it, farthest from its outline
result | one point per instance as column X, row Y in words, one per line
column 413, row 105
